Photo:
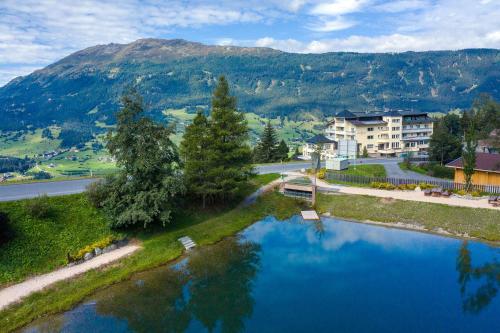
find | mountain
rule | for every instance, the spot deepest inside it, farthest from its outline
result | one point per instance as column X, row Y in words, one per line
column 86, row 86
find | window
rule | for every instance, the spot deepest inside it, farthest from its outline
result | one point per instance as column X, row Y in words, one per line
column 395, row 136
column 370, row 129
column 369, row 146
column 370, row 137
column 395, row 145
column 396, row 128
column 396, row 120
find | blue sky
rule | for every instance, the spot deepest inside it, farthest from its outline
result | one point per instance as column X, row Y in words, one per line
column 35, row 33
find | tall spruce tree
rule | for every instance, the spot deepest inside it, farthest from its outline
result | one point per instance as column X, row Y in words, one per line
column 194, row 153
column 228, row 155
column 147, row 187
column 282, row 151
column 266, row 150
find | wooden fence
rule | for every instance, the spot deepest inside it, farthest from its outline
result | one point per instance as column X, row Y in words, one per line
column 445, row 184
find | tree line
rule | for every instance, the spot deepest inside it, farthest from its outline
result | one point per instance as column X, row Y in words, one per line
column 457, row 135
column 213, row 163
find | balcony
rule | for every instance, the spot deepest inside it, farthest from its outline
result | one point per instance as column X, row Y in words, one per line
column 415, row 138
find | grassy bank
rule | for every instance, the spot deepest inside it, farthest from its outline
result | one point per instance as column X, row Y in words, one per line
column 480, row 223
column 40, row 244
column 159, row 247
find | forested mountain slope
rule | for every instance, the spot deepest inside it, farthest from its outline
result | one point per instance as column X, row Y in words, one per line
column 86, row 86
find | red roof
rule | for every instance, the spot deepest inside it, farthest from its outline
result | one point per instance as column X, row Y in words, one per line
column 484, row 162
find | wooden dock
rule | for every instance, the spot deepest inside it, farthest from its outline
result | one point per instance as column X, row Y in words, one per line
column 309, row 215
column 187, row 242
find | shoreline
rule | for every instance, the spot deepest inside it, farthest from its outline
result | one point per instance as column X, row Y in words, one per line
column 416, row 228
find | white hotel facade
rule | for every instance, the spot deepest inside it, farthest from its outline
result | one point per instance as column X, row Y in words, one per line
column 383, row 133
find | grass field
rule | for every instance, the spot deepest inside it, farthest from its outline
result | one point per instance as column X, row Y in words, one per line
column 27, row 144
column 481, row 223
column 40, row 244
column 204, row 227
column 366, row 170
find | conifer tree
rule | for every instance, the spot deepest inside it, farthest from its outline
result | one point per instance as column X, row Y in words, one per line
column 266, row 150
column 228, row 154
column 282, row 151
column 194, row 154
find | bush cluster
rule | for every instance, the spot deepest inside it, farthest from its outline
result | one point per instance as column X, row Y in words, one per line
column 402, row 187
column 321, row 173
column 38, row 207
column 407, row 187
column 101, row 244
column 383, row 186
column 425, row 186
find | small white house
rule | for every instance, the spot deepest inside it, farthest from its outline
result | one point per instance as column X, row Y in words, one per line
column 328, row 147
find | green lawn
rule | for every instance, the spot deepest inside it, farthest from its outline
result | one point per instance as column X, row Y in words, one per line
column 481, row 223
column 158, row 248
column 366, row 170
column 40, row 244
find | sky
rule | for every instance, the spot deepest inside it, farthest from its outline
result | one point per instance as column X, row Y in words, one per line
column 36, row 33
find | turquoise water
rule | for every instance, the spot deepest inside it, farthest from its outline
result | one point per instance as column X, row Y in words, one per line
column 295, row 276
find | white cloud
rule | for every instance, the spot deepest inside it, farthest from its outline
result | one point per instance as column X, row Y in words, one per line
column 327, row 25
column 338, row 7
column 35, row 33
column 403, row 5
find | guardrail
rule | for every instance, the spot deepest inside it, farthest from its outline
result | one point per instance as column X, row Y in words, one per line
column 445, row 184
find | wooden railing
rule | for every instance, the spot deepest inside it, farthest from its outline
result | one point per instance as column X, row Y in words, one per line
column 445, row 184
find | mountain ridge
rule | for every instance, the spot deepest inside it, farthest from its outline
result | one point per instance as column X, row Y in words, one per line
column 86, row 85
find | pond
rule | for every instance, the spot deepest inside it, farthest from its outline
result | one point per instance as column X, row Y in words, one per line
column 296, row 276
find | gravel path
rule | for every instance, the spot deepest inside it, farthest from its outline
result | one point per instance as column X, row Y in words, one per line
column 15, row 292
column 406, row 195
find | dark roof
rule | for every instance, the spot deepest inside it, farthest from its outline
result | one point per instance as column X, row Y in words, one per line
column 345, row 114
column 392, row 114
column 368, row 122
column 484, row 162
column 319, row 138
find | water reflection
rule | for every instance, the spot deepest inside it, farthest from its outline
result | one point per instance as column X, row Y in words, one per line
column 296, row 276
column 214, row 288
column 478, row 285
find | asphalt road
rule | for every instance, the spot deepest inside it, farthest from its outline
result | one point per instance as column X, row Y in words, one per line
column 24, row 191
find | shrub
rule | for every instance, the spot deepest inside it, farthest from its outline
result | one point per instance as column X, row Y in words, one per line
column 41, row 175
column 476, row 193
column 383, row 186
column 38, row 207
column 322, row 173
column 425, row 186
column 5, row 229
column 97, row 193
column 461, row 192
column 440, row 171
column 101, row 244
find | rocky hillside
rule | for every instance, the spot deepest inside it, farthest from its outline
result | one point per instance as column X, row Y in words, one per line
column 86, row 86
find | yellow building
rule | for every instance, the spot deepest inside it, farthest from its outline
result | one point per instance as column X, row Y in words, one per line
column 486, row 172
column 384, row 133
